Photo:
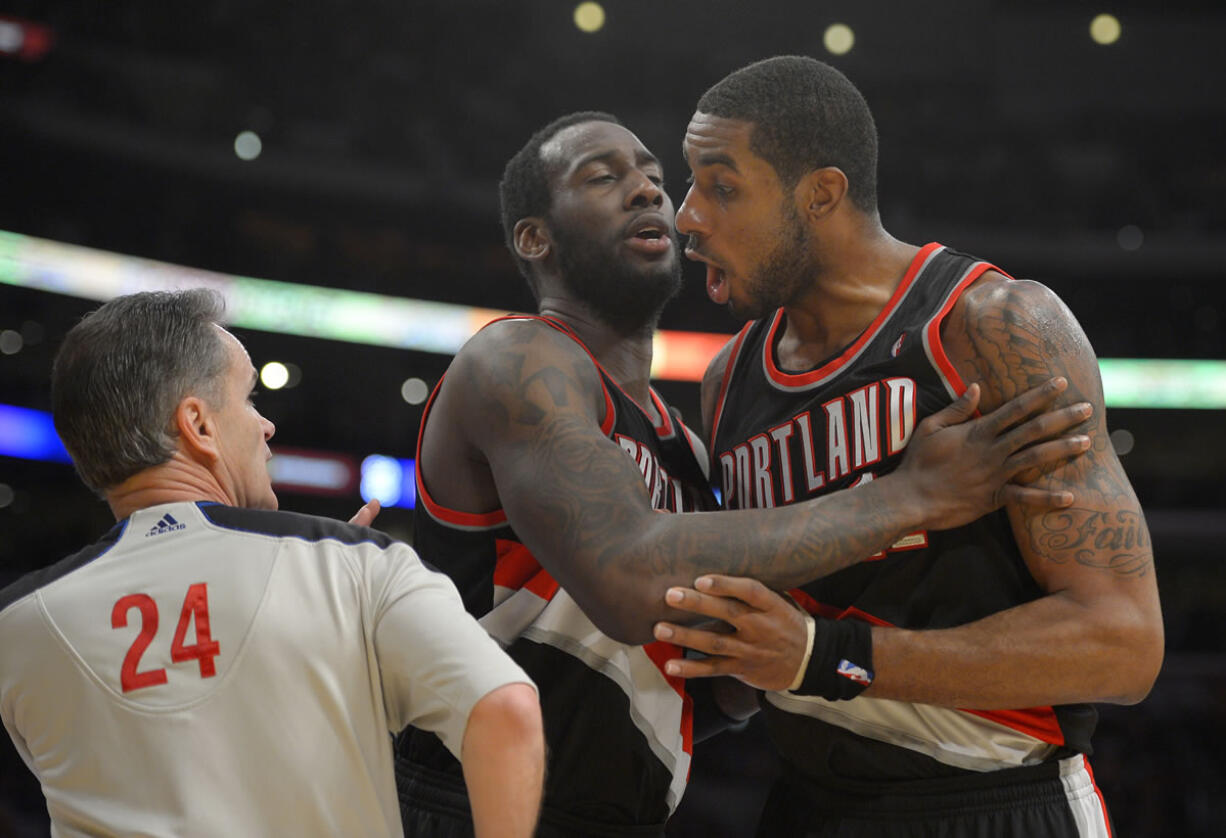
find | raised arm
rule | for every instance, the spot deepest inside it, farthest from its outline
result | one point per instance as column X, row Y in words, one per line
column 527, row 401
column 1097, row 634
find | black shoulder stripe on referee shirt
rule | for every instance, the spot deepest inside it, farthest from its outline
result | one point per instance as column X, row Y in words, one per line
column 34, row 580
column 284, row 524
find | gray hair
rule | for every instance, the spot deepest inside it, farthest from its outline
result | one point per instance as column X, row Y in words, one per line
column 122, row 371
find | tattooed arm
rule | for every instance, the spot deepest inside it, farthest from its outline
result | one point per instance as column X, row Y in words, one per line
column 518, row 425
column 1097, row 634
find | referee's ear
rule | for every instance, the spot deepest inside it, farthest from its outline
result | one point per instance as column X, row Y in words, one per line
column 197, row 427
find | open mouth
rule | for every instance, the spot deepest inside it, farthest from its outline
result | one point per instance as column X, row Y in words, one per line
column 718, row 288
column 717, row 285
column 649, row 226
column 650, row 237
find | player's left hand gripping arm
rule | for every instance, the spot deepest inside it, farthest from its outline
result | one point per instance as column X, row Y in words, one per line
column 1097, row 633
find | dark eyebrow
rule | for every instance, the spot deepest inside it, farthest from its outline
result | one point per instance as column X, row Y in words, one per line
column 643, row 157
column 597, row 157
column 716, row 158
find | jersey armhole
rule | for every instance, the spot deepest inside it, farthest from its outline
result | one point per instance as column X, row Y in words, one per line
column 610, row 411
column 727, row 377
column 448, row 517
column 954, row 385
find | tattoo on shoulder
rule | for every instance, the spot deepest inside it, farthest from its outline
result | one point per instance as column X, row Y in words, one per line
column 554, row 383
column 1019, row 338
column 523, row 381
column 1015, row 345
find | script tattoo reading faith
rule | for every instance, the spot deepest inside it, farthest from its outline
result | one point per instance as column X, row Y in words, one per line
column 1019, row 335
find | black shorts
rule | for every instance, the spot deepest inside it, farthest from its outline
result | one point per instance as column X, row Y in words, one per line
column 431, row 806
column 1055, row 800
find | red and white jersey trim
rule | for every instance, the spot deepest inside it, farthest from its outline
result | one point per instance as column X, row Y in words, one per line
column 723, row 386
column 954, row 385
column 971, row 741
column 982, row 740
column 659, row 706
column 800, row 382
column 451, row 517
column 1084, row 798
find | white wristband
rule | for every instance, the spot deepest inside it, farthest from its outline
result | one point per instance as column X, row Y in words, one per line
column 811, row 631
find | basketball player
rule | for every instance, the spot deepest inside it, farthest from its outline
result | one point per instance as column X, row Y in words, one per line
column 213, row 666
column 545, row 460
column 973, row 654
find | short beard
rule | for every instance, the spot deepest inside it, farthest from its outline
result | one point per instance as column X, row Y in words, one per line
column 628, row 298
column 785, row 274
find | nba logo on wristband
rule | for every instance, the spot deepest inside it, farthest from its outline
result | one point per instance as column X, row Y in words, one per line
column 855, row 673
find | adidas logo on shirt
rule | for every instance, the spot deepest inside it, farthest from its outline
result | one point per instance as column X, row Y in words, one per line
column 165, row 525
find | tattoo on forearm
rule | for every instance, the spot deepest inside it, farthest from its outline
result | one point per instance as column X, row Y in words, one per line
column 587, row 511
column 586, row 507
column 811, row 545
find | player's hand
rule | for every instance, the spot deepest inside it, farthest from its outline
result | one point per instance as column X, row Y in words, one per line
column 961, row 468
column 762, row 640
column 366, row 515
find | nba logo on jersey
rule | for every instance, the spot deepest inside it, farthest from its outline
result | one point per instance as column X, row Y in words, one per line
column 897, row 347
column 856, row 673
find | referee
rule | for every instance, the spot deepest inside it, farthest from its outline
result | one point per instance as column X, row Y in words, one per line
column 213, row 666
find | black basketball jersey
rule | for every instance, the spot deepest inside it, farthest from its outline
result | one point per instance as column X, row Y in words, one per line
column 783, row 437
column 618, row 729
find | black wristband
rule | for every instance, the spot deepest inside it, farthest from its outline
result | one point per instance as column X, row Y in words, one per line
column 841, row 665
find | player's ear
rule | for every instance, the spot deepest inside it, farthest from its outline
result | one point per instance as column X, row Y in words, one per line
column 820, row 191
column 531, row 239
column 197, row 428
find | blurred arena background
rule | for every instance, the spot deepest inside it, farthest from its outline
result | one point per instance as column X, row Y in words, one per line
column 341, row 151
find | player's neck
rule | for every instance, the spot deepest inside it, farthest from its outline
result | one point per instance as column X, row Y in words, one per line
column 174, row 481
column 856, row 281
column 626, row 356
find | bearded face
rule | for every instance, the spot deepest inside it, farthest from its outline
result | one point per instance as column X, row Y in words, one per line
column 783, row 274
column 623, row 290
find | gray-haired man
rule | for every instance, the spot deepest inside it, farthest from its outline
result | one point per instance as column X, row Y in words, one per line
column 214, row 666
